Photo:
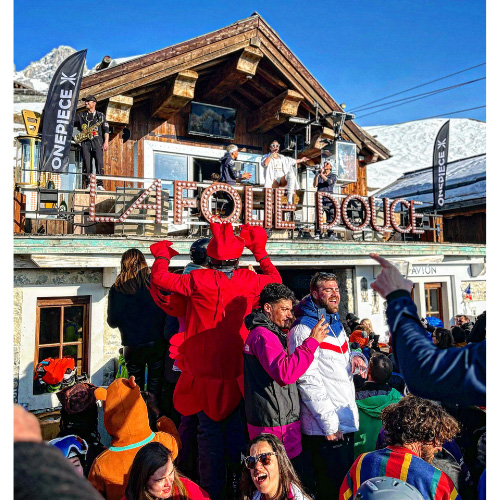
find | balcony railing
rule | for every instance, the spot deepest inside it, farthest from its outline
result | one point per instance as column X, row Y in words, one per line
column 65, row 211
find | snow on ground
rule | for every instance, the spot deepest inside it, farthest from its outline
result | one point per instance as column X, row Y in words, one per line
column 411, row 145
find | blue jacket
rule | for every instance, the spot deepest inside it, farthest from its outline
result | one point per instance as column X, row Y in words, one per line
column 452, row 376
column 228, row 173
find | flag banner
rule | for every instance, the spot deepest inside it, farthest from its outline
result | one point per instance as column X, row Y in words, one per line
column 467, row 293
column 59, row 114
column 439, row 164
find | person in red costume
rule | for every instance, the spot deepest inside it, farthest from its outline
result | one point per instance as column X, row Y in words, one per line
column 209, row 352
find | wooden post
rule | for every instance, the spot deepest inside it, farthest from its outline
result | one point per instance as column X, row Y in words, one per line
column 176, row 96
column 275, row 112
column 232, row 75
column 19, row 218
column 118, row 109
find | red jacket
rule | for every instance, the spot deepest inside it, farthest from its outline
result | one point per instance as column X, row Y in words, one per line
column 210, row 352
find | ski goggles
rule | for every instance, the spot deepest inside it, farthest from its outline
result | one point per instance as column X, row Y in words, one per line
column 263, row 458
column 70, row 444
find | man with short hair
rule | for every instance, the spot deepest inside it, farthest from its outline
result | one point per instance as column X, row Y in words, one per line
column 328, row 411
column 98, row 142
column 372, row 397
column 230, row 175
column 279, row 170
column 228, row 172
column 271, row 395
column 415, row 428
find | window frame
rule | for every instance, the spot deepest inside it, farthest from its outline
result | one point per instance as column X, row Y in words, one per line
column 62, row 302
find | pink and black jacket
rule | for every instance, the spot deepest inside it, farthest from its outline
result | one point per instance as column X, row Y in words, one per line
column 271, row 395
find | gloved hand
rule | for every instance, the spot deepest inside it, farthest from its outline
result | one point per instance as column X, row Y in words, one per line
column 255, row 240
column 163, row 249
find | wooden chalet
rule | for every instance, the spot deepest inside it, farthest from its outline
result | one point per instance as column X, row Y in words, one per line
column 64, row 267
column 244, row 66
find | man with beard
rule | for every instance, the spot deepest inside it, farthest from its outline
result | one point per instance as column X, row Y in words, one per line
column 415, row 428
column 328, row 411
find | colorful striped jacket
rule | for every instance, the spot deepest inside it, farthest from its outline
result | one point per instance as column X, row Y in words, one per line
column 401, row 463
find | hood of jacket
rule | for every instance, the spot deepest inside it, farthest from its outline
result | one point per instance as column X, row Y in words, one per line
column 125, row 412
column 258, row 318
column 374, row 405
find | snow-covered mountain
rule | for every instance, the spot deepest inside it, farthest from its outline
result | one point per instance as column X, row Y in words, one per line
column 38, row 74
column 411, row 145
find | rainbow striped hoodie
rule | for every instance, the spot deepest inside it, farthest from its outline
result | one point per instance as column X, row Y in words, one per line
column 401, row 463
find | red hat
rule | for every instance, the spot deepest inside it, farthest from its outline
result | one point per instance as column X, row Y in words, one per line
column 224, row 245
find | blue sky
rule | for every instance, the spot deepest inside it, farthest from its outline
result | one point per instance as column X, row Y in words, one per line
column 360, row 51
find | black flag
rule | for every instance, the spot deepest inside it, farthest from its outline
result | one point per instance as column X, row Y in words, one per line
column 440, row 162
column 59, row 113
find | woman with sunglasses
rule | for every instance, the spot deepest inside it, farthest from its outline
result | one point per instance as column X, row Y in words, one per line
column 153, row 476
column 269, row 474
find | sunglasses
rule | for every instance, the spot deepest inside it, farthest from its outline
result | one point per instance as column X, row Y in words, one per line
column 263, row 458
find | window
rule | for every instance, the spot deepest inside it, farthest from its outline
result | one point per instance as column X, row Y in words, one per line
column 171, row 167
column 433, row 300
column 62, row 329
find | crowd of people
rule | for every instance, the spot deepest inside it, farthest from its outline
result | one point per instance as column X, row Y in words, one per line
column 238, row 389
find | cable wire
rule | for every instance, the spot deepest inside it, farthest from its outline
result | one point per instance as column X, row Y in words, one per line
column 431, row 92
column 453, row 112
column 427, row 94
column 418, row 86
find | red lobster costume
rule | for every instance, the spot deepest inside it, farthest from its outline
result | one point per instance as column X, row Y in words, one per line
column 210, row 351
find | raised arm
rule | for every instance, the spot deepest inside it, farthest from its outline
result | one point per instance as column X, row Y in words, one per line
column 454, row 375
column 160, row 275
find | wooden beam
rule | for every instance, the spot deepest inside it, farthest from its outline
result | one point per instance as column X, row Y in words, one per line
column 175, row 96
column 235, row 73
column 164, row 69
column 118, row 109
column 317, row 143
column 275, row 112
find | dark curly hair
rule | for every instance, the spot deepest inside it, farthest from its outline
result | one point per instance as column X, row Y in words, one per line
column 274, row 292
column 416, row 420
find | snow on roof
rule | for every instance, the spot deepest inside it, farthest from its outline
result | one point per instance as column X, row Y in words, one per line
column 465, row 181
column 411, row 145
column 33, row 106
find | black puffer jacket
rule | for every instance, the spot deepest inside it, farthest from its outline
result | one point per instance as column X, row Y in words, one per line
column 137, row 316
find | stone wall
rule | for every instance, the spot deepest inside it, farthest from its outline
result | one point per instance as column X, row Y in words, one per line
column 112, row 343
column 18, row 304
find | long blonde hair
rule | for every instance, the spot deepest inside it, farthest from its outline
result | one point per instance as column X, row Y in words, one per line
column 134, row 273
column 366, row 324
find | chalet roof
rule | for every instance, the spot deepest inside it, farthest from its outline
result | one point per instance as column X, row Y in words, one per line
column 278, row 71
column 465, row 184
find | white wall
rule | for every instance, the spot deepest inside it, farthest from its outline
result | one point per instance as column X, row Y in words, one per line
column 28, row 328
column 449, row 275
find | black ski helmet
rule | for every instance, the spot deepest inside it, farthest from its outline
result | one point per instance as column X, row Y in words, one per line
column 387, row 488
column 198, row 251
